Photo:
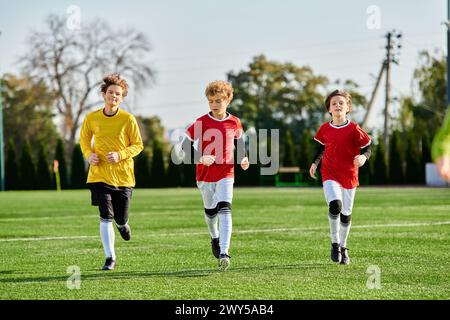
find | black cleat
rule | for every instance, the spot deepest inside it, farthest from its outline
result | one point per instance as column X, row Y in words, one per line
column 125, row 232
column 224, row 261
column 335, row 252
column 345, row 258
column 215, row 247
column 110, row 263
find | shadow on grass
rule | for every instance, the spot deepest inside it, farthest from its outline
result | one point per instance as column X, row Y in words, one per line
column 190, row 273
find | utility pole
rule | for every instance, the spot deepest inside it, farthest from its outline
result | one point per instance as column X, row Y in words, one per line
column 387, row 89
column 372, row 98
column 391, row 37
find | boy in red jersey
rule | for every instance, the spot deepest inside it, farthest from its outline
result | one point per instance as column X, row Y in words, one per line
column 217, row 133
column 343, row 148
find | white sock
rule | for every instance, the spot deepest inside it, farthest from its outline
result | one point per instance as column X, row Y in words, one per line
column 344, row 232
column 212, row 225
column 334, row 228
column 107, row 236
column 225, row 228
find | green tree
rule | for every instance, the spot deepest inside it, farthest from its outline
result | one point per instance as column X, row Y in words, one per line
column 289, row 158
column 269, row 94
column 380, row 163
column 27, row 168
column 305, row 152
column 60, row 156
column 142, row 171
column 43, row 178
column 78, row 171
column 413, row 159
column 173, row 173
column 27, row 111
column 12, row 173
column 157, row 171
column 396, row 159
column 425, row 111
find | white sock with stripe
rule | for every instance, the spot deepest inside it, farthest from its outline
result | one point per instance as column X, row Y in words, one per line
column 212, row 225
column 334, row 228
column 107, row 235
column 344, row 231
column 225, row 228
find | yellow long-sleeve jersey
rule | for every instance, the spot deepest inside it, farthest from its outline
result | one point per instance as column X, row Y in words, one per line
column 117, row 133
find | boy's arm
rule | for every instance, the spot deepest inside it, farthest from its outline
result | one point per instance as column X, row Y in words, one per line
column 366, row 151
column 85, row 139
column 136, row 145
column 188, row 152
column 241, row 149
column 319, row 154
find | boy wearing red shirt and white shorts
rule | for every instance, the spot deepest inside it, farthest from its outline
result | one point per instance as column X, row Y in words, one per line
column 343, row 148
column 217, row 133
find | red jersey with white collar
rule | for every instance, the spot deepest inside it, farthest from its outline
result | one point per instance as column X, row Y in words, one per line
column 342, row 144
column 215, row 137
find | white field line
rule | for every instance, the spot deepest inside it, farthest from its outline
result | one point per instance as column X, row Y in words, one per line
column 389, row 225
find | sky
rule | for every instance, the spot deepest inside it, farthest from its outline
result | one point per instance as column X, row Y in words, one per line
column 198, row 41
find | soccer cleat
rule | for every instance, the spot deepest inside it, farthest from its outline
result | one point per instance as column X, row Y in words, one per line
column 224, row 261
column 215, row 247
column 345, row 258
column 335, row 252
column 125, row 232
column 110, row 263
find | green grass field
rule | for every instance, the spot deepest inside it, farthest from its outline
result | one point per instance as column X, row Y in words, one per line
column 279, row 248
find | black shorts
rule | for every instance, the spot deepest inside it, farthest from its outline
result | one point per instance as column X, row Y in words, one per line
column 112, row 202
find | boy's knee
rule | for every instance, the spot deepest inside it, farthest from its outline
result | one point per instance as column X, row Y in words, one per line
column 335, row 208
column 224, row 207
column 211, row 212
column 346, row 219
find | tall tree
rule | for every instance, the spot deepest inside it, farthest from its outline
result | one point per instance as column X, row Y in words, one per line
column 27, row 111
column 380, row 163
column 396, row 159
column 289, row 150
column 27, row 168
column 78, row 173
column 157, row 171
column 73, row 63
column 12, row 173
column 60, row 155
column 43, row 177
column 142, row 170
column 173, row 173
column 413, row 159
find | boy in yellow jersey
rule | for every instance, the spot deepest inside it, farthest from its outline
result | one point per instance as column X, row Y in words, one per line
column 109, row 140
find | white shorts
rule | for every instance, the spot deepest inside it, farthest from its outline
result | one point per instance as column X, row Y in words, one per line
column 334, row 191
column 215, row 192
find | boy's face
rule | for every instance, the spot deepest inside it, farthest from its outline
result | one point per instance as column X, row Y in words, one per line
column 113, row 96
column 338, row 106
column 218, row 104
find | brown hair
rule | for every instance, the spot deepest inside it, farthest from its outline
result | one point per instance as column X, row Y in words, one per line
column 219, row 87
column 341, row 93
column 115, row 80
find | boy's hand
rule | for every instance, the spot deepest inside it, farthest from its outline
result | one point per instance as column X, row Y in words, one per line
column 359, row 160
column 443, row 167
column 245, row 164
column 113, row 157
column 312, row 171
column 207, row 160
column 93, row 159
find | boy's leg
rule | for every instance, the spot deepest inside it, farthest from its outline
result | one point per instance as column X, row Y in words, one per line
column 121, row 202
column 103, row 197
column 346, row 221
column 333, row 196
column 224, row 196
column 207, row 189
